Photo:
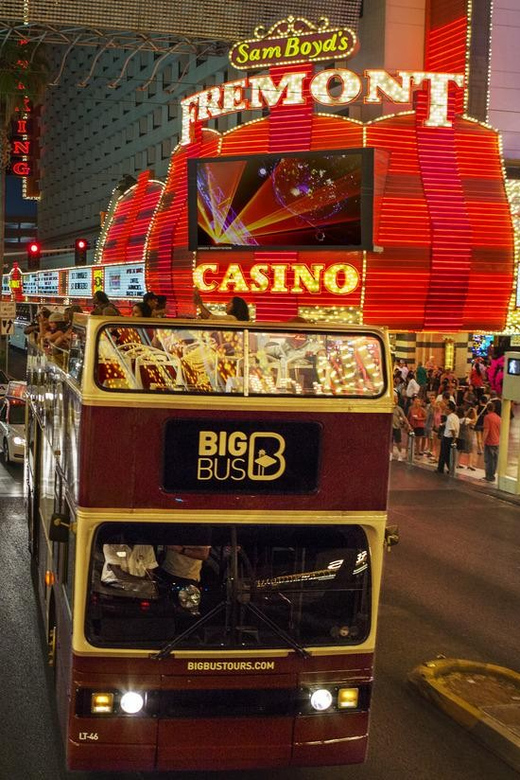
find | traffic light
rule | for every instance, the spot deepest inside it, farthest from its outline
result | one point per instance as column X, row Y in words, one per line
column 80, row 251
column 34, row 251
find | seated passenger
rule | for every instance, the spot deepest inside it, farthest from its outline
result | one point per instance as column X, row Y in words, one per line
column 121, row 559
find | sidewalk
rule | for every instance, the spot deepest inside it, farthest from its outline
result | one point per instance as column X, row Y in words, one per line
column 474, row 477
column 482, row 698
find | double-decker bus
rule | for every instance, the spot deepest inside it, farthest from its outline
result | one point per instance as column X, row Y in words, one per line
column 207, row 511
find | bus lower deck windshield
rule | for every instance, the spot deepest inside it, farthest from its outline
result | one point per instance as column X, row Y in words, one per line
column 228, row 587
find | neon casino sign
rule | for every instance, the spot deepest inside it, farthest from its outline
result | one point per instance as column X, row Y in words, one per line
column 339, row 278
column 331, row 87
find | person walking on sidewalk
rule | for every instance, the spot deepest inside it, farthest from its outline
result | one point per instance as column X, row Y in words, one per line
column 481, row 410
column 448, row 438
column 491, row 439
column 417, row 419
column 399, row 422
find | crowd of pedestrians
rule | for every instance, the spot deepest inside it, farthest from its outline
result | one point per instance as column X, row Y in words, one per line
column 451, row 422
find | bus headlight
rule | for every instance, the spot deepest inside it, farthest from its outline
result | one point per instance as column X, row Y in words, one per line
column 348, row 698
column 321, row 699
column 131, row 702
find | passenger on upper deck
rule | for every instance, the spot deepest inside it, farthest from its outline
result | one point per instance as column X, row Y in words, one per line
column 141, row 309
column 160, row 309
column 236, row 309
column 151, row 300
column 62, row 340
column 100, row 300
column 57, row 325
column 34, row 327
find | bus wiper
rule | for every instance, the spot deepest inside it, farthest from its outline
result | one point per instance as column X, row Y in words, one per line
column 277, row 630
column 165, row 651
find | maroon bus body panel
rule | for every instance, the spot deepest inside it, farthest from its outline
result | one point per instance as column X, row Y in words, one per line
column 236, row 743
column 204, row 742
column 349, row 460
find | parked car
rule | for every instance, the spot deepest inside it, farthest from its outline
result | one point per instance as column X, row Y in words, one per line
column 12, row 427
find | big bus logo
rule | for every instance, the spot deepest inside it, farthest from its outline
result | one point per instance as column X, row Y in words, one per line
column 237, row 456
column 241, row 456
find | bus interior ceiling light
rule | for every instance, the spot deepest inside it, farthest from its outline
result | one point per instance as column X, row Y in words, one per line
column 131, row 702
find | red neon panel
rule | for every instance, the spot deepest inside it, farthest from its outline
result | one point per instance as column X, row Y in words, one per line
column 126, row 234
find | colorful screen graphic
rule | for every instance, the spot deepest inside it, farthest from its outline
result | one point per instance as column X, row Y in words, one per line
column 295, row 201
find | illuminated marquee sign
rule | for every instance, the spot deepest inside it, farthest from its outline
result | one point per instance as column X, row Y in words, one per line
column 49, row 283
column 253, row 210
column 124, row 281
column 30, row 284
column 339, row 278
column 293, row 40
column 79, row 283
column 331, row 87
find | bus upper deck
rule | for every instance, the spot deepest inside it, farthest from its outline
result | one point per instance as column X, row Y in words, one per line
column 177, row 412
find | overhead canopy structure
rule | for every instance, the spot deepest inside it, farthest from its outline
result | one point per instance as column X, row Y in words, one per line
column 160, row 24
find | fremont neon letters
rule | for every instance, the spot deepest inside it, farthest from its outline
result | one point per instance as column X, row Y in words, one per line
column 231, row 97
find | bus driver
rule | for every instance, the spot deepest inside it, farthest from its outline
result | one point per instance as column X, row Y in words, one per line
column 184, row 563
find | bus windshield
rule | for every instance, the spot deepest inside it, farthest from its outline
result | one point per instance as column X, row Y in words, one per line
column 184, row 359
column 226, row 586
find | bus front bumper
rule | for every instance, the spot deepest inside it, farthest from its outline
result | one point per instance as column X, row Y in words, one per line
column 206, row 744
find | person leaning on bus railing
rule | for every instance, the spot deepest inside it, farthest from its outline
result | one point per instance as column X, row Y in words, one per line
column 236, row 309
column 56, row 327
column 34, row 328
column 63, row 341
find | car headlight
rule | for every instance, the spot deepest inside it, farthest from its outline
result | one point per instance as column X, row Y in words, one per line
column 321, row 699
column 18, row 441
column 131, row 702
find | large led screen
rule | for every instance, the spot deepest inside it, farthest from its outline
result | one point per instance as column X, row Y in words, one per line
column 303, row 200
